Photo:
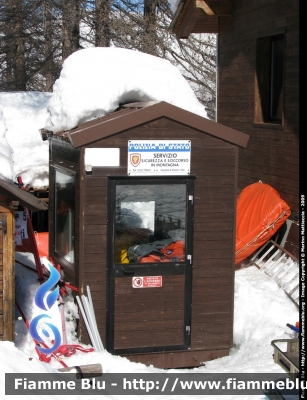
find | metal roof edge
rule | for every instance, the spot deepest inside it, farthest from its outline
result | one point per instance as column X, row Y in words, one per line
column 212, row 127
column 175, row 19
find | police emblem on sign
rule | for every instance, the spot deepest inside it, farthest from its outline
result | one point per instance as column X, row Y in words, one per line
column 135, row 159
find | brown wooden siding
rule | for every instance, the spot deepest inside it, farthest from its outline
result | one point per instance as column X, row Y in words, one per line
column 1, row 277
column 272, row 154
column 7, row 276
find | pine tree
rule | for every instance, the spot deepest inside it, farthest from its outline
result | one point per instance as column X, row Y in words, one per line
column 37, row 36
column 70, row 27
column 13, row 63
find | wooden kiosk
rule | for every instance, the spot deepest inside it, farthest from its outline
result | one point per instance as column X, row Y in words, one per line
column 149, row 176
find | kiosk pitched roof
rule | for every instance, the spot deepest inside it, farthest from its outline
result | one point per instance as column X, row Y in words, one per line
column 135, row 114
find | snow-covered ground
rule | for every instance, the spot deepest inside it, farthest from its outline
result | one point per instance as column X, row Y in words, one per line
column 262, row 310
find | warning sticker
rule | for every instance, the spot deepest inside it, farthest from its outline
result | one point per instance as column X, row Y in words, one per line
column 146, row 281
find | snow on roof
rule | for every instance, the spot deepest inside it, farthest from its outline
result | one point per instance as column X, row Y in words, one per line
column 22, row 151
column 93, row 83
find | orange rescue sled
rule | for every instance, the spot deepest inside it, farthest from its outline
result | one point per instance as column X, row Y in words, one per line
column 260, row 213
column 41, row 239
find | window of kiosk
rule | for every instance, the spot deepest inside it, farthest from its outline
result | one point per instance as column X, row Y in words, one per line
column 150, row 223
column 64, row 215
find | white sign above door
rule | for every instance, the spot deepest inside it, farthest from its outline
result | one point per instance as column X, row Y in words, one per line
column 159, row 157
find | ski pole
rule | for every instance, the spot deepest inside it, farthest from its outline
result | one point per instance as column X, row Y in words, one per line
column 294, row 328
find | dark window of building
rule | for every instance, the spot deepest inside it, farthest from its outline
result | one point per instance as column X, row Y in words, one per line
column 269, row 97
column 64, row 215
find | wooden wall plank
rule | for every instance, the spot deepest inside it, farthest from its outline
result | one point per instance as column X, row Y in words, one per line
column 2, row 201
column 8, row 279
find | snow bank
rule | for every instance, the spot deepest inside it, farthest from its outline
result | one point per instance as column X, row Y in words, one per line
column 6, row 151
column 261, row 312
column 22, row 151
column 95, row 81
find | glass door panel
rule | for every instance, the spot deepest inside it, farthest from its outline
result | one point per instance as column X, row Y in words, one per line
column 150, row 235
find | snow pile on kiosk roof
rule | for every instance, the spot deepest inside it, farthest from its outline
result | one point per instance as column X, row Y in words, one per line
column 95, row 81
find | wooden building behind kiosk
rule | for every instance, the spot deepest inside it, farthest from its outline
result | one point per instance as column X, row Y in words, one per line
column 12, row 198
column 187, row 318
column 258, row 91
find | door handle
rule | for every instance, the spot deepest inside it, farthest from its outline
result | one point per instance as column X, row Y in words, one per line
column 128, row 271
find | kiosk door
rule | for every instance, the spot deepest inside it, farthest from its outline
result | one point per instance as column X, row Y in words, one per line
column 150, row 234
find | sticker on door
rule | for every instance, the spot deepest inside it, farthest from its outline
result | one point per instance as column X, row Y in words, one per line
column 146, row 281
